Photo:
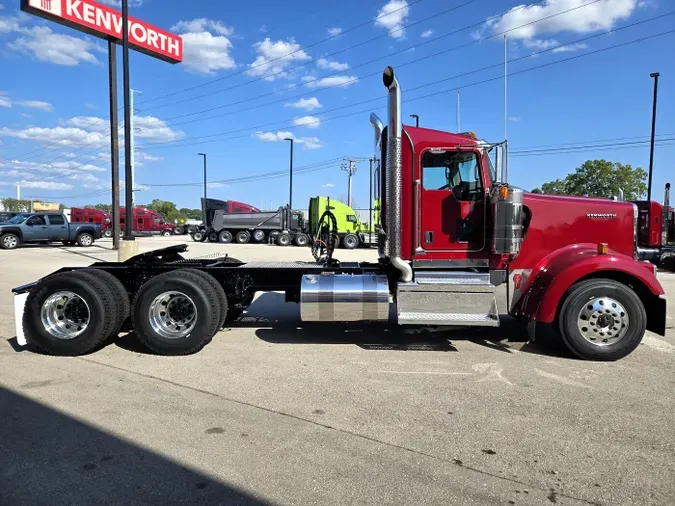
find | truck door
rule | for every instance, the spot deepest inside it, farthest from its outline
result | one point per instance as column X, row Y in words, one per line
column 58, row 230
column 36, row 229
column 452, row 201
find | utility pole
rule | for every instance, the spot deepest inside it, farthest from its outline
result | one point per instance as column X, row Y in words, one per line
column 18, row 192
column 349, row 166
column 417, row 119
column 204, row 206
column 133, row 145
column 129, row 247
column 506, row 116
column 655, row 75
column 290, row 186
column 114, row 144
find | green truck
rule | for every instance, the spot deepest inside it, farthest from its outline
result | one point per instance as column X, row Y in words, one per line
column 351, row 231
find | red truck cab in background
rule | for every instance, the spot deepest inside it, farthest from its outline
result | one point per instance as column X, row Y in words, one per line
column 89, row 215
column 147, row 222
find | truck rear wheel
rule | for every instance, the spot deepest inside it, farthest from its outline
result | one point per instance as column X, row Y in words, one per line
column 213, row 237
column 9, row 241
column 350, row 241
column 220, row 292
column 121, row 298
column 85, row 240
column 243, row 237
column 301, row 240
column 176, row 313
column 70, row 313
column 108, row 233
column 225, row 237
column 198, row 236
column 601, row 319
column 178, row 231
column 166, row 233
column 258, row 235
column 283, row 239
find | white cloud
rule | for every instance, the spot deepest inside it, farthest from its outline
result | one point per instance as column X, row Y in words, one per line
column 155, row 130
column 570, row 47
column 91, row 106
column 217, row 185
column 5, row 100
column 304, row 142
column 307, row 121
column 335, row 31
column 515, row 119
column 9, row 24
column 308, row 104
column 37, row 104
column 392, row 16
column 602, row 15
column 43, row 185
column 65, row 137
column 332, row 81
column 199, row 25
column 263, row 29
column 323, row 63
column 328, row 185
column 26, row 115
column 45, row 45
column 275, row 57
column 142, row 156
column 206, row 46
column 426, row 34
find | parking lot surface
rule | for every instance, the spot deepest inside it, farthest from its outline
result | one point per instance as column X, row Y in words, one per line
column 275, row 411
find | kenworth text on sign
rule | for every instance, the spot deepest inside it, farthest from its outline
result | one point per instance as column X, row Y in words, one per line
column 102, row 21
column 451, row 232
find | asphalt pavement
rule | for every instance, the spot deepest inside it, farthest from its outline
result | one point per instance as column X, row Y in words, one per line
column 276, row 411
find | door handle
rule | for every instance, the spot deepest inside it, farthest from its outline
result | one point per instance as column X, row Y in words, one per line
column 428, row 237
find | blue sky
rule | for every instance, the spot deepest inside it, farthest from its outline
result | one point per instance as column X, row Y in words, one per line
column 254, row 76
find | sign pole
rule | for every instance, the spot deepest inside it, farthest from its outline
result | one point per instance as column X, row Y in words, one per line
column 114, row 143
column 130, row 248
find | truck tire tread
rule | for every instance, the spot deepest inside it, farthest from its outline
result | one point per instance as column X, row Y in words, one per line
column 121, row 298
column 220, row 292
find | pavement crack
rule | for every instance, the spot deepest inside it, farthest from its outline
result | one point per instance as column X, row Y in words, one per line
column 454, row 462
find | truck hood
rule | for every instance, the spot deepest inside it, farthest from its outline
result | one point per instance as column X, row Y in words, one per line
column 556, row 221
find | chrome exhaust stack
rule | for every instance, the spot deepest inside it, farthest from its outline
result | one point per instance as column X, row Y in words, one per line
column 394, row 176
column 378, row 127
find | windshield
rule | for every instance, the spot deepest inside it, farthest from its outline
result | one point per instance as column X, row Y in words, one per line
column 491, row 165
column 19, row 218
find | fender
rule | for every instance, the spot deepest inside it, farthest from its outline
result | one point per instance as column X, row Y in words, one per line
column 555, row 273
column 12, row 230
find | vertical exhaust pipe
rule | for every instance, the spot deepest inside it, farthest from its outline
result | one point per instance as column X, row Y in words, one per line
column 394, row 176
column 666, row 196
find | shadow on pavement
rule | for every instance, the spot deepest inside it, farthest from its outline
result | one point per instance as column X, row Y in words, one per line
column 279, row 322
column 47, row 457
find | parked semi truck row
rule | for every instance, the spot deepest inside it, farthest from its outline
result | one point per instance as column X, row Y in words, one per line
column 452, row 231
column 283, row 226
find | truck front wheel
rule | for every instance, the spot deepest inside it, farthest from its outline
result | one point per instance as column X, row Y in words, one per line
column 350, row 241
column 601, row 319
column 258, row 235
column 9, row 241
column 283, row 239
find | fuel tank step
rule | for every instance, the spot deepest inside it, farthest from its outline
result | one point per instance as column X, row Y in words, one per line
column 448, row 298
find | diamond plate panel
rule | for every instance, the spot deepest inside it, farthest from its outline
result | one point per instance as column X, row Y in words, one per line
column 394, row 174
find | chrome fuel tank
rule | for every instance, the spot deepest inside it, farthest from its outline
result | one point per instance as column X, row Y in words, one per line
column 344, row 297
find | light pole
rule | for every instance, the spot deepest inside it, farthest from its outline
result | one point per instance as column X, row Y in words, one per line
column 128, row 171
column 417, row 119
column 290, row 194
column 204, row 206
column 655, row 75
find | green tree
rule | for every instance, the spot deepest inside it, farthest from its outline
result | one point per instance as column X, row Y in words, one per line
column 600, row 178
column 168, row 210
column 16, row 206
column 191, row 214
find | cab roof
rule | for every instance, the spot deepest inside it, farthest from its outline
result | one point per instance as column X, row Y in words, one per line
column 428, row 135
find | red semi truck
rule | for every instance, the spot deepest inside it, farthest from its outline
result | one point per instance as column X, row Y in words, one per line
column 452, row 234
column 88, row 215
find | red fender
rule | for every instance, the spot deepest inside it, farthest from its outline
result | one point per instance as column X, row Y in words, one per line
column 555, row 273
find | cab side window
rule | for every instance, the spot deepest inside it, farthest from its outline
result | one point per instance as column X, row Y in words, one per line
column 456, row 171
column 37, row 220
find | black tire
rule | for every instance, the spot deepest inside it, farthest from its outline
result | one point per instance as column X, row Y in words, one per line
column 350, row 241
column 165, row 233
column 122, row 299
column 69, row 243
column 108, row 233
column 220, row 292
column 9, row 241
column 258, row 235
column 207, row 319
column 191, row 229
column 243, row 237
column 213, row 237
column 225, row 237
column 102, row 306
column 198, row 236
column 283, row 239
column 85, row 240
column 611, row 302
column 178, row 231
column 301, row 240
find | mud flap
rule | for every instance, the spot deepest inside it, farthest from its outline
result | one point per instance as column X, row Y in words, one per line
column 656, row 316
column 19, row 307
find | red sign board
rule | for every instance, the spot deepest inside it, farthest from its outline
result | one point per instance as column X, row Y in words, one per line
column 102, row 21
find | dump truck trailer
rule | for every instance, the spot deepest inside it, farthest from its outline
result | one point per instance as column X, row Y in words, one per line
column 452, row 232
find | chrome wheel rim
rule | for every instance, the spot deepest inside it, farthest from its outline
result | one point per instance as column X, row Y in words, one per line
column 350, row 242
column 10, row 241
column 603, row 321
column 172, row 315
column 259, row 235
column 85, row 240
column 65, row 315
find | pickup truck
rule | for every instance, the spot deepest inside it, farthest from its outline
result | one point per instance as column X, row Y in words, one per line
column 44, row 228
